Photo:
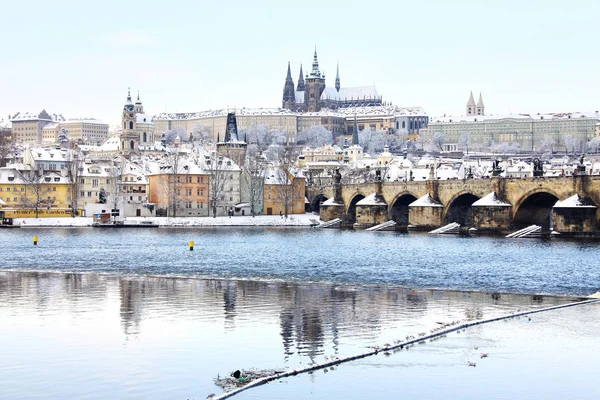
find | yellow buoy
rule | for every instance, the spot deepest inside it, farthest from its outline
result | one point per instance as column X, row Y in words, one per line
column 191, row 245
column 35, row 240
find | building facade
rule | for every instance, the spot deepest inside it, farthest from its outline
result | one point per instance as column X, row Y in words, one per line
column 28, row 127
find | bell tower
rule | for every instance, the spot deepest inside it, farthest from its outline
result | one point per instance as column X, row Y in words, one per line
column 129, row 136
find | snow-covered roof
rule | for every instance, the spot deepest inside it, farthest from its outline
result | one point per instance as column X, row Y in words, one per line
column 111, row 144
column 482, row 118
column 355, row 93
column 50, row 154
column 425, row 201
column 223, row 112
column 372, row 200
column 84, row 121
column 491, row 200
column 410, row 112
column 51, row 125
column 43, row 116
column 143, row 119
column 331, row 202
column 5, row 124
column 575, row 201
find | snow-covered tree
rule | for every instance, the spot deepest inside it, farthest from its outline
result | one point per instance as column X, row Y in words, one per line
column 593, row 145
column 63, row 136
column 437, row 142
column 172, row 134
column 315, row 136
column 571, row 143
column 372, row 141
column 506, row 148
column 547, row 144
column 201, row 135
column 464, row 141
column 256, row 134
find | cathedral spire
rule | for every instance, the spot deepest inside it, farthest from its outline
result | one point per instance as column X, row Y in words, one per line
column 480, row 102
column 138, row 99
column 337, row 78
column 315, row 65
column 128, row 94
column 289, row 96
column 300, row 87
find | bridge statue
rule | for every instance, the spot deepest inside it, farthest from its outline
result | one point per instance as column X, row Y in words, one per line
column 538, row 167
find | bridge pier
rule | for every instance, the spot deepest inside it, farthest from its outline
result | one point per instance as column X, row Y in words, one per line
column 370, row 211
column 425, row 214
column 575, row 216
column 492, row 214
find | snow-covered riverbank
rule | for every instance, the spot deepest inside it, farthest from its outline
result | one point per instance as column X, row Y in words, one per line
column 262, row 220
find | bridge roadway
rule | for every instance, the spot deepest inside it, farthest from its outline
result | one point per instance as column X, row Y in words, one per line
column 531, row 200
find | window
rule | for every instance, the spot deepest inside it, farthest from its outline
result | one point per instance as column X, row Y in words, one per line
column 189, row 179
column 82, row 181
column 188, row 192
column 54, row 188
column 89, row 194
column 198, row 192
column 22, row 189
column 94, row 182
column 82, row 194
column 56, row 179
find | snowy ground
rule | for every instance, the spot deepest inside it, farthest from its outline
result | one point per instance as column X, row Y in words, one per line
column 262, row 220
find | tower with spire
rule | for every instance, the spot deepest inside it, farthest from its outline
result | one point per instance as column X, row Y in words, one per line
column 315, row 85
column 139, row 108
column 480, row 106
column 471, row 106
column 289, row 96
column 129, row 136
column 337, row 78
column 300, row 87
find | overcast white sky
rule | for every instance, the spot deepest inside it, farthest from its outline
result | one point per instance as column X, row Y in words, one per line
column 78, row 58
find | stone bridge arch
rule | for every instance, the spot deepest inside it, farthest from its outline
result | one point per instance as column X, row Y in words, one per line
column 459, row 208
column 398, row 209
column 351, row 207
column 535, row 208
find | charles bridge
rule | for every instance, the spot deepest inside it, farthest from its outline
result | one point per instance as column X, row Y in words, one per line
column 495, row 204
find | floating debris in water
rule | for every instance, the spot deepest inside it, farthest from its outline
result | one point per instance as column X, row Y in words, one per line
column 240, row 378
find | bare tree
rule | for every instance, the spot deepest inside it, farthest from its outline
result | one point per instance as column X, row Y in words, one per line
column 372, row 141
column 37, row 191
column 253, row 182
column 73, row 173
column 114, row 189
column 214, row 165
column 287, row 191
column 7, row 147
column 173, row 175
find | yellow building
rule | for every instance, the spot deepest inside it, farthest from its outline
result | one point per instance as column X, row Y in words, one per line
column 284, row 193
column 27, row 193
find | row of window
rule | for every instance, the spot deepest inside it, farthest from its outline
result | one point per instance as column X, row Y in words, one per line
column 22, row 189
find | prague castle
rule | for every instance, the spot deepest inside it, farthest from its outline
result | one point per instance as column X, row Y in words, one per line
column 311, row 94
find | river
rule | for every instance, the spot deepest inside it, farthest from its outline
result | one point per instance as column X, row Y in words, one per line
column 134, row 314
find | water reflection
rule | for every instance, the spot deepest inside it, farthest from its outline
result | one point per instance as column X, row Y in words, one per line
column 79, row 328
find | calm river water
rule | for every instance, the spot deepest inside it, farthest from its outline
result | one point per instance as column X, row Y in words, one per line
column 133, row 314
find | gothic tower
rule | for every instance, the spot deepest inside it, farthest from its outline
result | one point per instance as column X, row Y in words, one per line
column 337, row 78
column 129, row 137
column 300, row 87
column 480, row 106
column 289, row 96
column 471, row 107
column 315, row 85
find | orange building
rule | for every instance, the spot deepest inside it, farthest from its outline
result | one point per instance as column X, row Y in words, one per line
column 180, row 195
column 284, row 193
